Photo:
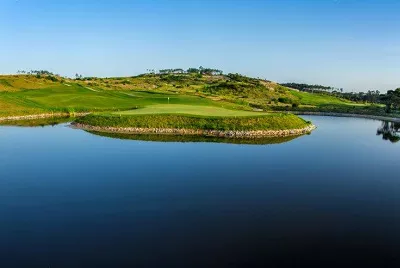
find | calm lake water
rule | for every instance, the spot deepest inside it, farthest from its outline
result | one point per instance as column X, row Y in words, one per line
column 69, row 198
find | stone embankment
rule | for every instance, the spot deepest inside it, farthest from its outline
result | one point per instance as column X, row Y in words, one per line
column 40, row 116
column 210, row 133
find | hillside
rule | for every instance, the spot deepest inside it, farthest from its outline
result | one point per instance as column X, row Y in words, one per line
column 29, row 94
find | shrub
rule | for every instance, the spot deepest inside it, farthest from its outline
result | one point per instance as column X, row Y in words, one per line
column 51, row 78
column 284, row 100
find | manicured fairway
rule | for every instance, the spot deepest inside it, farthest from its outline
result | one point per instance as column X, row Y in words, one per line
column 188, row 109
column 79, row 98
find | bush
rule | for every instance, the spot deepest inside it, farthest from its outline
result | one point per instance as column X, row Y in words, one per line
column 51, row 78
column 126, row 82
column 284, row 100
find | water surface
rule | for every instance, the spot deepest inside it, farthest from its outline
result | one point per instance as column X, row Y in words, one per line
column 69, row 198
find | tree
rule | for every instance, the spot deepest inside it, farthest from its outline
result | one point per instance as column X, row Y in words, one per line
column 391, row 99
column 193, row 70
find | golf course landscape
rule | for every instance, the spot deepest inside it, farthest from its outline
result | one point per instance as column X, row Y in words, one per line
column 169, row 102
column 196, row 134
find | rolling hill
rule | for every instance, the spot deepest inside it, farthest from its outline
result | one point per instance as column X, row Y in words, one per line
column 32, row 94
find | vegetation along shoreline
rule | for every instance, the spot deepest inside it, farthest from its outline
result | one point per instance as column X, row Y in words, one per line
column 41, row 116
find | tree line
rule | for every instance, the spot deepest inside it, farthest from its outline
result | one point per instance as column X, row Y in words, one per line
column 201, row 70
column 36, row 72
column 41, row 73
column 307, row 87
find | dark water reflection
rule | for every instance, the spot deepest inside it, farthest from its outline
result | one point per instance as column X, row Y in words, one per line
column 188, row 138
column 390, row 131
column 72, row 199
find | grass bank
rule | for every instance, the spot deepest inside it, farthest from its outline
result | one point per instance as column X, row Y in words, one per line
column 38, row 122
column 269, row 125
column 175, row 121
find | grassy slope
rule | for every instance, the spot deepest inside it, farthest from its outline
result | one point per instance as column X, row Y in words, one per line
column 46, row 96
column 37, row 122
column 12, row 106
column 316, row 99
column 24, row 94
column 243, row 91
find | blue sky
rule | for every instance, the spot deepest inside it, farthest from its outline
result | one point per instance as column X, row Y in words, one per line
column 354, row 44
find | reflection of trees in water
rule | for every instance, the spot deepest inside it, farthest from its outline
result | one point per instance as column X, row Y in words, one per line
column 389, row 131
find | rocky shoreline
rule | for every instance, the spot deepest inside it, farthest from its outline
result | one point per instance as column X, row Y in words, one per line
column 55, row 115
column 40, row 116
column 201, row 132
column 366, row 116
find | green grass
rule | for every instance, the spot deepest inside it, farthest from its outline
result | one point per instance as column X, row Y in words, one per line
column 265, row 122
column 187, row 109
column 37, row 122
column 317, row 99
column 5, row 83
column 61, row 97
column 9, row 105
